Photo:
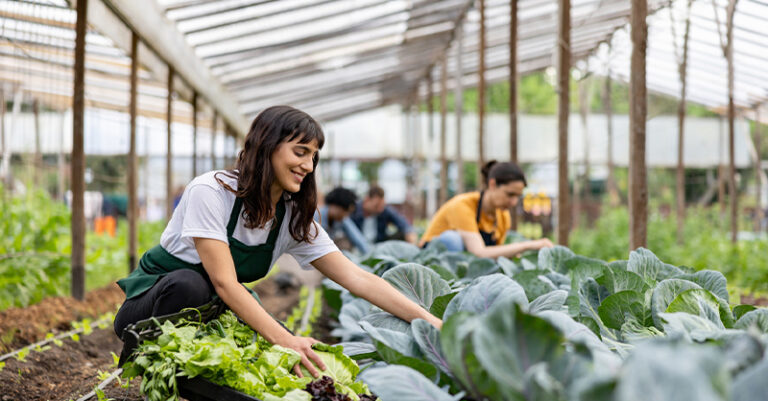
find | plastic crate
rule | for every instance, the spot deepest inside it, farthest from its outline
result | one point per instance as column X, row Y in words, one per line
column 195, row 389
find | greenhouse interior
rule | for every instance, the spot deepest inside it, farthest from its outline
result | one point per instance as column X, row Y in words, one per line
column 504, row 200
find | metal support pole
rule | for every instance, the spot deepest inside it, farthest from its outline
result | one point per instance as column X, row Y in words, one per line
column 563, row 72
column 169, row 150
column 133, row 199
column 78, row 156
column 638, row 181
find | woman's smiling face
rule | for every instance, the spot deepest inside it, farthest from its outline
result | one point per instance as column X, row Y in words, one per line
column 291, row 162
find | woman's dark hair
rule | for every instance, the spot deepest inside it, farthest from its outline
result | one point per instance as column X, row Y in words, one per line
column 502, row 172
column 341, row 197
column 255, row 176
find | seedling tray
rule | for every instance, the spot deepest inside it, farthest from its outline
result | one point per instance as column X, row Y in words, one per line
column 195, row 389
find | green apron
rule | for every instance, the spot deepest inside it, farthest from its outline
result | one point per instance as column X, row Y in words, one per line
column 251, row 262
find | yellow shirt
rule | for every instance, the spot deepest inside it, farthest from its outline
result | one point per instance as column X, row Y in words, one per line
column 460, row 213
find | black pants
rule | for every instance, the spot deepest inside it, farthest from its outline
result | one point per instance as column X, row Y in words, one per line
column 179, row 289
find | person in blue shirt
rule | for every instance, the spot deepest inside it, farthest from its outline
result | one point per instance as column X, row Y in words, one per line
column 334, row 217
column 373, row 217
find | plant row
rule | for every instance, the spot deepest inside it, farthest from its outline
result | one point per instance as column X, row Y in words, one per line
column 553, row 325
column 35, row 249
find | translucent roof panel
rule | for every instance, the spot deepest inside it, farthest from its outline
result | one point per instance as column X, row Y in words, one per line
column 329, row 58
column 707, row 81
column 37, row 44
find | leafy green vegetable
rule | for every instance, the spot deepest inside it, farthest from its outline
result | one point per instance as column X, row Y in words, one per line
column 227, row 352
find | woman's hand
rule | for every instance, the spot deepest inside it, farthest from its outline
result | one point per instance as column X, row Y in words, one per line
column 541, row 243
column 303, row 345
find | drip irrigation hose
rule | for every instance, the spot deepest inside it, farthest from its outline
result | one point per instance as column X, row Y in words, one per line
column 103, row 384
column 307, row 310
column 48, row 340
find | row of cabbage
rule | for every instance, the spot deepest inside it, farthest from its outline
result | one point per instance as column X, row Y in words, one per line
column 553, row 325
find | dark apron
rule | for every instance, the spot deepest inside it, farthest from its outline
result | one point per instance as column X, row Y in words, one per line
column 489, row 237
column 251, row 262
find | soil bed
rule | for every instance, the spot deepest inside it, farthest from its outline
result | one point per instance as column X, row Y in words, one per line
column 70, row 371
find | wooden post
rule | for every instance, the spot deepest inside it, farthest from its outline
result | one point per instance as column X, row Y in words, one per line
column 78, row 157
column 581, row 186
column 3, row 142
column 60, row 160
column 513, row 93
column 194, row 135
column 418, row 162
column 731, row 128
column 682, row 71
column 563, row 73
column 133, row 200
column 213, row 138
column 458, row 108
column 443, row 111
column 638, row 182
column 721, row 180
column 481, row 98
column 613, row 191
column 758, row 174
column 429, row 153
column 38, row 163
column 169, row 150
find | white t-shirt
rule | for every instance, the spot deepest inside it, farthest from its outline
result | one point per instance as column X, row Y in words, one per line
column 204, row 211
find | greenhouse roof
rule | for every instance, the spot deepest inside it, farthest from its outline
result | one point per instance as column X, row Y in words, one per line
column 334, row 58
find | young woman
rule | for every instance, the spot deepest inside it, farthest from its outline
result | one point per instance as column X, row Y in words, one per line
column 231, row 226
column 478, row 221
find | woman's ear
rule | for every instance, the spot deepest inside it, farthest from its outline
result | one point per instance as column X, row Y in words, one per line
column 491, row 183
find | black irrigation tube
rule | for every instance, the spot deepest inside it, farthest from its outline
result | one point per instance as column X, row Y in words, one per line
column 103, row 384
column 61, row 336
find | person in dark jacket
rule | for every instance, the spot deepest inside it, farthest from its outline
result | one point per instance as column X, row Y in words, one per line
column 374, row 217
column 334, row 217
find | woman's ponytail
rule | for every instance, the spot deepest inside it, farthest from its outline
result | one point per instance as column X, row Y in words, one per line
column 486, row 170
column 502, row 173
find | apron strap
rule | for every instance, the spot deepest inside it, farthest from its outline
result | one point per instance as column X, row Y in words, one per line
column 479, row 208
column 235, row 214
column 488, row 236
column 279, row 214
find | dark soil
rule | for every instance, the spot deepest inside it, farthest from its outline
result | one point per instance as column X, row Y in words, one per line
column 752, row 300
column 72, row 370
column 323, row 326
column 24, row 326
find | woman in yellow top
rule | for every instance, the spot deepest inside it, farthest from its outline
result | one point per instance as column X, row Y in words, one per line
column 478, row 221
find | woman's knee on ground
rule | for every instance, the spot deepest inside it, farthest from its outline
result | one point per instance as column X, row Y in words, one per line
column 452, row 240
column 187, row 286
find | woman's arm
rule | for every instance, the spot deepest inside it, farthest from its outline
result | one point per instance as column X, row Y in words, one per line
column 372, row 288
column 474, row 243
column 218, row 263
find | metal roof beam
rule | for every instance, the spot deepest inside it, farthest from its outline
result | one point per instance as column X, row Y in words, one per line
column 311, row 18
column 150, row 24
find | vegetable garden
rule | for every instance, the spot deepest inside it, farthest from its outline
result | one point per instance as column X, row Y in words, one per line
column 549, row 325
column 640, row 302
